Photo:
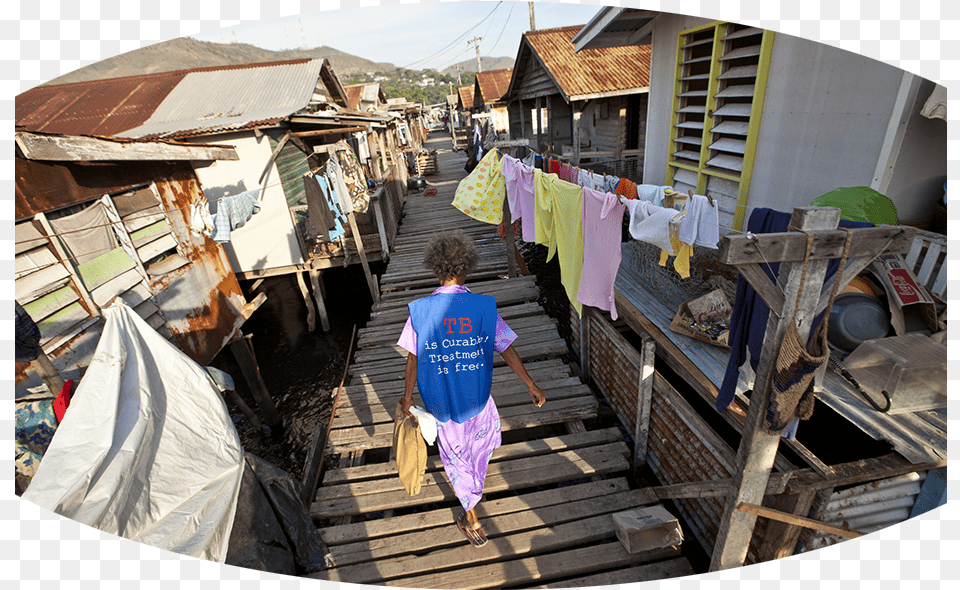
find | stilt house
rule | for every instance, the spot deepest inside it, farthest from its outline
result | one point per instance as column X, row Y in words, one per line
column 592, row 104
column 489, row 89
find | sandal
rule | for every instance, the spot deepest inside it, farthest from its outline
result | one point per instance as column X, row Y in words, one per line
column 474, row 535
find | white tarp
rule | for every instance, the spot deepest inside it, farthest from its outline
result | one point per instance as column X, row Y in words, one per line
column 147, row 449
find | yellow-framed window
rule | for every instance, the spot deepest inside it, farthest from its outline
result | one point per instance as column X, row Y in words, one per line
column 720, row 82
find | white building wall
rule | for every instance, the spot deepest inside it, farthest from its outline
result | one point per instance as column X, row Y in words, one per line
column 825, row 117
column 269, row 239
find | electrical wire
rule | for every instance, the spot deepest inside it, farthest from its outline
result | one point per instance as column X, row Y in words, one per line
column 454, row 42
column 505, row 23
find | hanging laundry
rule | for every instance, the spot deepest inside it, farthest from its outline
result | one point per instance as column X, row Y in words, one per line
column 588, row 179
column 555, row 167
column 531, row 159
column 559, row 216
column 701, row 223
column 652, row 193
column 332, row 203
column 569, row 173
column 649, row 223
column 680, row 251
column 520, row 195
column 201, row 222
column 233, row 212
column 610, row 183
column 481, row 195
column 626, row 188
column 353, row 176
column 602, row 222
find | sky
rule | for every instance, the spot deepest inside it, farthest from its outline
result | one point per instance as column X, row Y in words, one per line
column 418, row 36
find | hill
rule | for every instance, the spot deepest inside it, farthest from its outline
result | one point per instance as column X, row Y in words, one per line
column 187, row 53
column 488, row 63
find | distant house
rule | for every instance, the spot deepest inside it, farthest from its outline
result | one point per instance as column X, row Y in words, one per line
column 587, row 106
column 100, row 219
column 759, row 119
column 366, row 97
column 489, row 89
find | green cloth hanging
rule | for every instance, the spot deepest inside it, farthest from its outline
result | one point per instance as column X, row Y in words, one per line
column 860, row 203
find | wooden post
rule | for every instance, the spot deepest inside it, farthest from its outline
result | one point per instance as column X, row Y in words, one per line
column 375, row 154
column 539, row 120
column 758, row 448
column 644, row 401
column 242, row 349
column 381, row 226
column 586, row 317
column 509, row 241
column 48, row 373
column 577, row 113
column 316, row 281
column 371, row 282
column 305, row 293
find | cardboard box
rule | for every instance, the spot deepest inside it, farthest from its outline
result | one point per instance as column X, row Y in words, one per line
column 644, row 529
column 712, row 307
column 905, row 295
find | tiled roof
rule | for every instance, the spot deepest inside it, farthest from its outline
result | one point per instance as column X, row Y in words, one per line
column 591, row 71
column 493, row 84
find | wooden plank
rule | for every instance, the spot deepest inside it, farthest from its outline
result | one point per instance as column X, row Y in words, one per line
column 590, row 512
column 529, row 472
column 827, row 244
column 388, row 527
column 93, row 149
column 672, row 568
column 506, row 452
column 542, row 567
column 797, row 520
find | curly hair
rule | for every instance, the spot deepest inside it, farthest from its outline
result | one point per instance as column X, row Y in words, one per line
column 450, row 254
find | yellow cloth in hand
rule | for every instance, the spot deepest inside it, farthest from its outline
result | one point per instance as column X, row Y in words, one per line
column 410, row 450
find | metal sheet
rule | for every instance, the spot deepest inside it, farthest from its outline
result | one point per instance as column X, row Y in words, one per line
column 221, row 100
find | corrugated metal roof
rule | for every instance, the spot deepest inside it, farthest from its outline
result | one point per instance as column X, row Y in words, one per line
column 466, row 96
column 225, row 100
column 100, row 107
column 494, row 84
column 353, row 95
column 591, row 71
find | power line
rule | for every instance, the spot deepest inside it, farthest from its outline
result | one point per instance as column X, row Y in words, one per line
column 455, row 41
column 505, row 23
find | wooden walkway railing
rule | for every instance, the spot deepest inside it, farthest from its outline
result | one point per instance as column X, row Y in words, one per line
column 551, row 488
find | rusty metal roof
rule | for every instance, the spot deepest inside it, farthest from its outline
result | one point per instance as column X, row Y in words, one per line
column 493, row 84
column 99, row 107
column 589, row 73
column 353, row 95
column 231, row 99
column 466, row 96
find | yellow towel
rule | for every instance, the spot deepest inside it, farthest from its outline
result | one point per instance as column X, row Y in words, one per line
column 410, row 450
column 559, row 215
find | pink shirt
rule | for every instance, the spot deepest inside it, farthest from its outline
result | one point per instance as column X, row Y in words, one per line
column 602, row 224
column 503, row 336
column 520, row 195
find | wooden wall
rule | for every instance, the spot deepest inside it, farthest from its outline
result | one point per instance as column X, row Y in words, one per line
column 681, row 446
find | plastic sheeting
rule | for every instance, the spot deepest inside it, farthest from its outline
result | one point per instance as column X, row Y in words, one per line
column 148, row 450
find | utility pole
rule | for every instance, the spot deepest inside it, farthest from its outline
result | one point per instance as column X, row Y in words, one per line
column 533, row 20
column 476, row 45
column 459, row 81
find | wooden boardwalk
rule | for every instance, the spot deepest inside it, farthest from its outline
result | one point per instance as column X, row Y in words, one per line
column 550, row 489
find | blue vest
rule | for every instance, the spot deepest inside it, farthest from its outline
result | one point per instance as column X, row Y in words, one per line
column 455, row 337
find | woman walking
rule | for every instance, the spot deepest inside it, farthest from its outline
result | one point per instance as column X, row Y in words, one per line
column 450, row 337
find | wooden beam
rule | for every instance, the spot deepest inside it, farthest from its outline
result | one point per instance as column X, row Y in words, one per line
column 797, row 520
column 61, row 148
column 242, row 349
column 305, row 293
column 644, row 400
column 316, row 281
column 758, row 448
column 827, row 244
column 320, row 132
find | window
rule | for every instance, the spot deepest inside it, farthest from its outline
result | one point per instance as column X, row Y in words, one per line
column 719, row 88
